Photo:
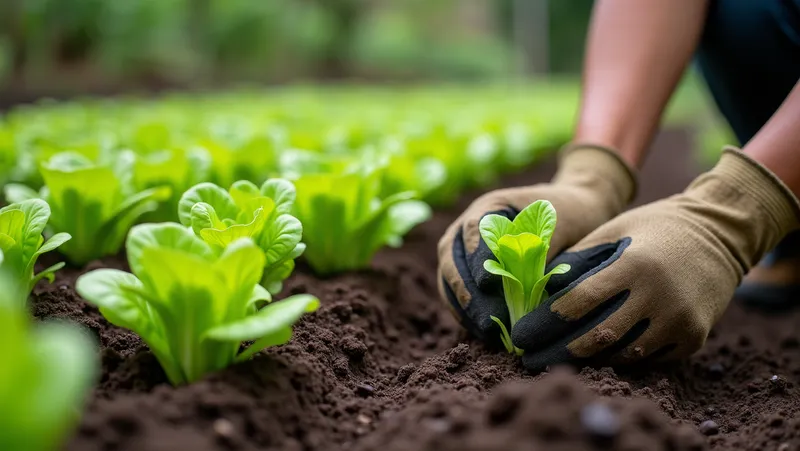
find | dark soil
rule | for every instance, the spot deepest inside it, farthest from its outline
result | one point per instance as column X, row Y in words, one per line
column 383, row 366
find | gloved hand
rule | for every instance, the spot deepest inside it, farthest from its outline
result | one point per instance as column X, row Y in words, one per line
column 592, row 185
column 652, row 282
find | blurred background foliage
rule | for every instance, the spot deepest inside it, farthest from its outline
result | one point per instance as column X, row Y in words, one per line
column 64, row 48
column 201, row 41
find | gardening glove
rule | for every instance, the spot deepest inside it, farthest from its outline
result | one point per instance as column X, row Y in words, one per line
column 592, row 185
column 652, row 282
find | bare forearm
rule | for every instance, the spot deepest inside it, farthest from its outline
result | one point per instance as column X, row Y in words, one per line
column 777, row 144
column 637, row 51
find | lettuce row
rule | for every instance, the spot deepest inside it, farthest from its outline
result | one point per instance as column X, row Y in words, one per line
column 193, row 304
column 21, row 241
column 346, row 221
column 46, row 374
column 220, row 217
column 94, row 204
column 521, row 248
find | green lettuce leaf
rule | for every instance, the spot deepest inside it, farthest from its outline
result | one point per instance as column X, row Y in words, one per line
column 89, row 202
column 21, row 241
column 521, row 248
column 346, row 222
column 47, row 373
column 193, row 304
column 220, row 217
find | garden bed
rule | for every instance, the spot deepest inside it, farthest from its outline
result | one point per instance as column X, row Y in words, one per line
column 383, row 365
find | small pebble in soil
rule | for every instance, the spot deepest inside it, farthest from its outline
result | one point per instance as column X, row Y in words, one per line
column 784, row 447
column 223, row 428
column 600, row 421
column 709, row 427
column 363, row 419
column 778, row 384
column 365, row 390
column 716, row 371
column 439, row 425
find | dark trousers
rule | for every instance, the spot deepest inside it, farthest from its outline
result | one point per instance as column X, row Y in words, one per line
column 750, row 57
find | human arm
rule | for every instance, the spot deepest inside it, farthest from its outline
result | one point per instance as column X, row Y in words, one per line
column 636, row 53
column 652, row 282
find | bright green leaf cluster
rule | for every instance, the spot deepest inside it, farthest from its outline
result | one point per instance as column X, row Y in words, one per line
column 90, row 202
column 521, row 248
column 193, row 304
column 346, row 221
column 220, row 217
column 21, row 243
column 45, row 376
column 178, row 169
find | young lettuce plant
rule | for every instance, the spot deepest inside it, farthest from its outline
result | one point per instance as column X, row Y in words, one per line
column 46, row 374
column 193, row 304
column 95, row 204
column 179, row 169
column 521, row 249
column 21, row 241
column 346, row 221
column 220, row 217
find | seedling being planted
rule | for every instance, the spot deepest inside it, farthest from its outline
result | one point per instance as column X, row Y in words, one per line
column 46, row 374
column 521, row 249
column 95, row 204
column 220, row 217
column 346, row 221
column 21, row 242
column 193, row 304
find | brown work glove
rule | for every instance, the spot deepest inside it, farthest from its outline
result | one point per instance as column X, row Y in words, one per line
column 653, row 281
column 592, row 185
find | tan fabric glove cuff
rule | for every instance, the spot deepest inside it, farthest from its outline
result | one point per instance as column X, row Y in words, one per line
column 599, row 169
column 757, row 209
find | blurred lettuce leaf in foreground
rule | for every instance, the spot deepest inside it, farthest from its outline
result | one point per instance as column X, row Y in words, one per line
column 45, row 377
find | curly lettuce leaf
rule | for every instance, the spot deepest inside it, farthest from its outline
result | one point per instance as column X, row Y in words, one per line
column 220, row 217
column 193, row 304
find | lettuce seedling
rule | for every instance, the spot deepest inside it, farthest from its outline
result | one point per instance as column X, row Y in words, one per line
column 95, row 204
column 178, row 169
column 220, row 217
column 46, row 374
column 346, row 221
column 193, row 304
column 521, row 248
column 21, row 242
column 239, row 157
